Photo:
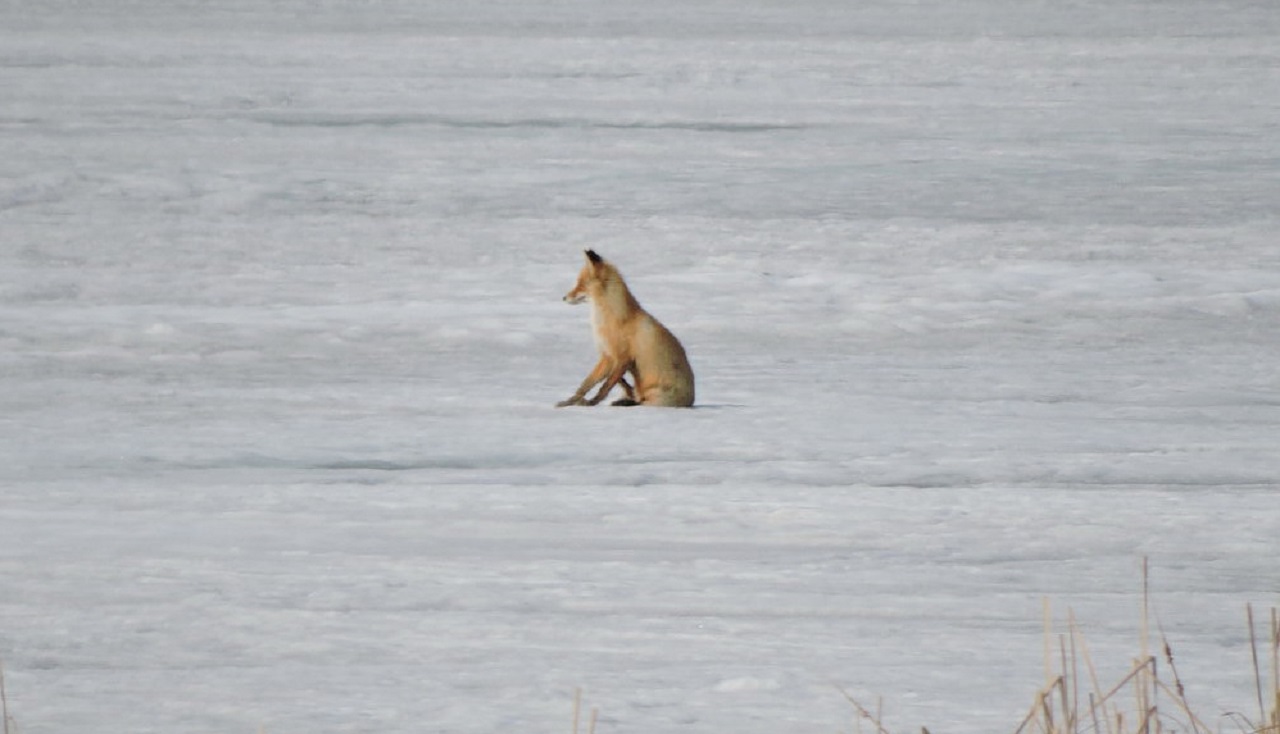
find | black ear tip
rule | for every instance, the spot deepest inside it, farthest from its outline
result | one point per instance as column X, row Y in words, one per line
column 593, row 257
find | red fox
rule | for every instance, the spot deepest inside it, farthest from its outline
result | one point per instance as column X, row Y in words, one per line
column 630, row 340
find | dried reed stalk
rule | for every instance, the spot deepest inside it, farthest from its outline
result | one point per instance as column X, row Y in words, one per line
column 863, row 713
column 577, row 708
column 4, row 701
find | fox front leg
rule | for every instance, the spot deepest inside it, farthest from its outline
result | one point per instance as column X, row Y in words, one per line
column 597, row 374
column 615, row 376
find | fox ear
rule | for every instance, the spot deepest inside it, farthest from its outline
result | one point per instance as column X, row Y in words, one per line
column 594, row 258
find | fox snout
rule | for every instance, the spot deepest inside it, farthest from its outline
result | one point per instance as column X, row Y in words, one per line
column 578, row 293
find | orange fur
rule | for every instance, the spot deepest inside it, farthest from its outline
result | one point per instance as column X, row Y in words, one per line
column 630, row 341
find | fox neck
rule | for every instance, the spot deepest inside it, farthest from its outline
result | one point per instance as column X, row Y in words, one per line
column 614, row 302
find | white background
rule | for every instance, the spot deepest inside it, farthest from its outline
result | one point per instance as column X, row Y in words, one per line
column 983, row 300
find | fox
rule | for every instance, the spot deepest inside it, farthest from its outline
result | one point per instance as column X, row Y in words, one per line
column 630, row 340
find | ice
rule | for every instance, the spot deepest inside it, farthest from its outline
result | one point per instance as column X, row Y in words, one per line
column 983, row 301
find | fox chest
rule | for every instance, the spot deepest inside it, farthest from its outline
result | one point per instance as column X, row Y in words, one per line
column 610, row 335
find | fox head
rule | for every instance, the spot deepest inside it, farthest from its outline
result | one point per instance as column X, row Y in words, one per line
column 592, row 280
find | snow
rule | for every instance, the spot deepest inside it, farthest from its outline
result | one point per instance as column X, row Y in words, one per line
column 983, row 301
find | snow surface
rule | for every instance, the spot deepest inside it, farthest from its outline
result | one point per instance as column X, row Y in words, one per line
column 983, row 300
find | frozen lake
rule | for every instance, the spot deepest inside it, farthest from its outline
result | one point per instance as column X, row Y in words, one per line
column 983, row 301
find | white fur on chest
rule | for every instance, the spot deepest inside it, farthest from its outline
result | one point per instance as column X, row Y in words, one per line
column 598, row 326
column 608, row 329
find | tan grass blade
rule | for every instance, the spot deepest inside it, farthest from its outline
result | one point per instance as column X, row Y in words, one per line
column 863, row 713
column 1138, row 668
column 4, row 701
column 1048, row 644
column 1075, row 670
column 1257, row 672
column 1142, row 686
column 577, row 708
column 1275, row 671
column 1093, row 714
column 1146, row 600
column 1196, row 723
column 1066, row 690
column 1040, row 708
column 1096, row 698
column 1179, row 692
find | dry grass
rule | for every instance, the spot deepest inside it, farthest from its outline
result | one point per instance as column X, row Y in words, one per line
column 10, row 726
column 577, row 713
column 1149, row 699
